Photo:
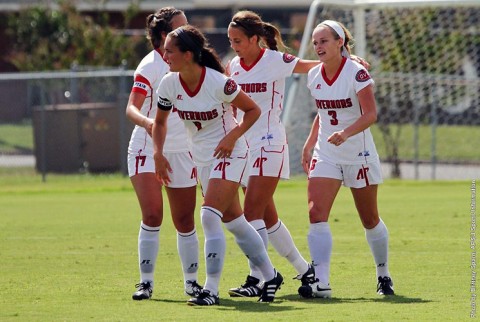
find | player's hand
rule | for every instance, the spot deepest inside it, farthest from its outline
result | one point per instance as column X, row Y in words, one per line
column 306, row 159
column 337, row 138
column 225, row 147
column 162, row 169
column 361, row 61
column 148, row 125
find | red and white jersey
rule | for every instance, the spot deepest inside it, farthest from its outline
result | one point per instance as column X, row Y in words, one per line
column 147, row 77
column 338, row 107
column 206, row 112
column 264, row 82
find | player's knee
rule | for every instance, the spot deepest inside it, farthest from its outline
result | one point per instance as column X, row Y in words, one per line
column 184, row 222
column 318, row 214
column 152, row 216
column 370, row 222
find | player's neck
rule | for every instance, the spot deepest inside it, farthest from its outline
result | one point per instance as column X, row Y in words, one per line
column 252, row 56
column 191, row 76
column 331, row 66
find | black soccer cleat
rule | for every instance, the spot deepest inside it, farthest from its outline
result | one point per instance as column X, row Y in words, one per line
column 205, row 298
column 144, row 291
column 270, row 288
column 385, row 286
column 192, row 288
column 249, row 289
column 308, row 277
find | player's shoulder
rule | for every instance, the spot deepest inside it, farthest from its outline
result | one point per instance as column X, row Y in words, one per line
column 152, row 64
column 170, row 78
column 279, row 56
column 214, row 75
column 357, row 70
column 235, row 61
column 315, row 71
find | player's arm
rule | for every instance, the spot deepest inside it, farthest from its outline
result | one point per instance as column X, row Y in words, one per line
column 135, row 103
column 252, row 112
column 159, row 133
column 309, row 145
column 366, row 99
column 303, row 66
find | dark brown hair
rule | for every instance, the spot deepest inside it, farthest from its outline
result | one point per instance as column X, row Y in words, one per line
column 160, row 22
column 252, row 25
column 189, row 38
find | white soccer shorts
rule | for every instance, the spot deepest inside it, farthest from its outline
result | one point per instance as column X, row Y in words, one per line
column 270, row 161
column 232, row 169
column 352, row 175
column 184, row 172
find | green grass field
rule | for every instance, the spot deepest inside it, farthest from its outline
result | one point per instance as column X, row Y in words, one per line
column 454, row 143
column 68, row 252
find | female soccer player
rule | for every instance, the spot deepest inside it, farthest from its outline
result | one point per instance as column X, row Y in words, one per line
column 344, row 151
column 261, row 73
column 181, row 191
column 203, row 96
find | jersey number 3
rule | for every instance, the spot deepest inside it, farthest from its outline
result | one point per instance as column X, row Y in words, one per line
column 333, row 120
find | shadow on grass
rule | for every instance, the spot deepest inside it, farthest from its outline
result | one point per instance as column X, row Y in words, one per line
column 227, row 304
column 287, row 302
column 395, row 299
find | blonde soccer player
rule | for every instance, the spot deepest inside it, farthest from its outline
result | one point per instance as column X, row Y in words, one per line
column 343, row 151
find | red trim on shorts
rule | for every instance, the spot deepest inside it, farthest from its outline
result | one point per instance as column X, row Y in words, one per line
column 224, row 169
column 244, row 167
column 365, row 175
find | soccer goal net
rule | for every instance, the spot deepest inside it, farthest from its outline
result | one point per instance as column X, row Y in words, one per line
column 425, row 60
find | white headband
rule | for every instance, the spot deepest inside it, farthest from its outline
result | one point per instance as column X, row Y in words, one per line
column 339, row 30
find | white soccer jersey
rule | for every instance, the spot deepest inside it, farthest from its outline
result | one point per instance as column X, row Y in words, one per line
column 264, row 82
column 147, row 77
column 338, row 108
column 206, row 112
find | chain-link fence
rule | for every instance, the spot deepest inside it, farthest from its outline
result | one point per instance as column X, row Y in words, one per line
column 69, row 121
column 425, row 63
column 426, row 66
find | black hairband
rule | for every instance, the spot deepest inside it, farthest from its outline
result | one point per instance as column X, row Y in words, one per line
column 187, row 40
column 240, row 24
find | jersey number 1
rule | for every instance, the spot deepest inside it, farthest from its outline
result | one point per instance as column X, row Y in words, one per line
column 198, row 125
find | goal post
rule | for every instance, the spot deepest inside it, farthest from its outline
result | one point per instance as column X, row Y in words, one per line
column 425, row 61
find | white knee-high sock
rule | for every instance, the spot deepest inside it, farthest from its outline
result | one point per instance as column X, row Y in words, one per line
column 261, row 229
column 282, row 241
column 148, row 245
column 214, row 246
column 377, row 239
column 252, row 246
column 320, row 244
column 187, row 246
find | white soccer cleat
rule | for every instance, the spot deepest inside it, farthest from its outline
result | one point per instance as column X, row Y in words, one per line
column 316, row 289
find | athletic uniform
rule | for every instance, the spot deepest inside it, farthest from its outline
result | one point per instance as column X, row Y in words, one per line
column 264, row 82
column 355, row 161
column 208, row 117
column 147, row 77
